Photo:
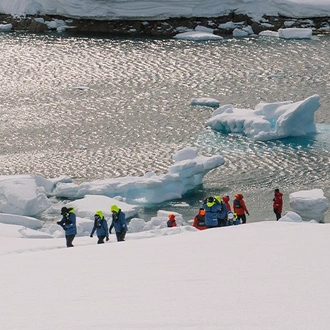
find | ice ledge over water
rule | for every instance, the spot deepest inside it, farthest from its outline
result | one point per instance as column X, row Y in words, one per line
column 268, row 121
column 184, row 175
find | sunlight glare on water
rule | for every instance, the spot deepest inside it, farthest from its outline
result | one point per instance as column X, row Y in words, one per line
column 97, row 108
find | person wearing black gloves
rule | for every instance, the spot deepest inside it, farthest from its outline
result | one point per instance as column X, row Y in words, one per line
column 240, row 208
column 68, row 223
column 118, row 222
column 101, row 227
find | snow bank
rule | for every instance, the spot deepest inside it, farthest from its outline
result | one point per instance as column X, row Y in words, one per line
column 309, row 204
column 156, row 9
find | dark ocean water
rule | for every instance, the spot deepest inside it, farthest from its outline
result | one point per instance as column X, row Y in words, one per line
column 97, row 108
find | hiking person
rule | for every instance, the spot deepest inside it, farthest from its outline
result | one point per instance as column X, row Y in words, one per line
column 222, row 213
column 239, row 208
column 171, row 222
column 226, row 199
column 118, row 222
column 278, row 203
column 199, row 220
column 68, row 223
column 101, row 227
column 214, row 211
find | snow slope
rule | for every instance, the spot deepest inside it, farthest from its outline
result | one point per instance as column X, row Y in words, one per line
column 157, row 9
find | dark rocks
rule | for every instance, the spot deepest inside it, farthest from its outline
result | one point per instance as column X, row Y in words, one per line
column 161, row 28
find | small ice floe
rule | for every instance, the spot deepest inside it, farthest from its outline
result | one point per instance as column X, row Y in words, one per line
column 295, row 33
column 201, row 28
column 81, row 88
column 5, row 27
column 242, row 32
column 269, row 33
column 197, row 36
column 205, row 101
column 59, row 25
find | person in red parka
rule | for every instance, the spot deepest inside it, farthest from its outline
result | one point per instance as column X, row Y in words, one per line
column 278, row 203
column 240, row 208
column 199, row 220
column 225, row 199
column 171, row 220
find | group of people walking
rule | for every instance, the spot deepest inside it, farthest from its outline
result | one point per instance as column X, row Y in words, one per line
column 68, row 223
column 216, row 211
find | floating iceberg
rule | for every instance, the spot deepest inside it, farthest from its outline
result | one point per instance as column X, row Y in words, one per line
column 289, row 33
column 183, row 176
column 197, row 36
column 205, row 101
column 5, row 27
column 268, row 121
column 295, row 33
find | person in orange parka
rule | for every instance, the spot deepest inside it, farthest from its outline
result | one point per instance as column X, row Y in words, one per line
column 199, row 220
column 225, row 199
column 240, row 208
column 171, row 220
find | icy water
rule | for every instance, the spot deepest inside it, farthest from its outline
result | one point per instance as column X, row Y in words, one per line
column 92, row 107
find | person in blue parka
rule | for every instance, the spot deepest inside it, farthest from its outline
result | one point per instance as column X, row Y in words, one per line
column 101, row 227
column 118, row 222
column 68, row 223
column 216, row 212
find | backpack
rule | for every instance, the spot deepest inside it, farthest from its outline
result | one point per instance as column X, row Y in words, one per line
column 169, row 223
column 237, row 204
column 200, row 220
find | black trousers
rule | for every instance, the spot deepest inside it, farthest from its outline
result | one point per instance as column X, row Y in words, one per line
column 242, row 217
column 278, row 216
column 69, row 240
column 101, row 239
column 222, row 222
column 120, row 235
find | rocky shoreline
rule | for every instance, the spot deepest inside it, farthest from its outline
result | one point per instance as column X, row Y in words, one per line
column 161, row 28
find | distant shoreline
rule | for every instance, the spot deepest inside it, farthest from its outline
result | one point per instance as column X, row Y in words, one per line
column 163, row 28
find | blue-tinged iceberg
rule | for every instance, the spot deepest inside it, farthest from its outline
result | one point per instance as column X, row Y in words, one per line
column 183, row 176
column 268, row 121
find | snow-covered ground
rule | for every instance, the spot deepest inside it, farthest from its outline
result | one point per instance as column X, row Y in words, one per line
column 266, row 275
column 156, row 9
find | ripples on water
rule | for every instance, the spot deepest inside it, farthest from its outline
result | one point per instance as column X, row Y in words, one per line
column 95, row 108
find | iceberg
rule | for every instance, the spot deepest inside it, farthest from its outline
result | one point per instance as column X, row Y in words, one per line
column 309, row 204
column 183, row 176
column 197, row 36
column 295, row 33
column 33, row 196
column 268, row 121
